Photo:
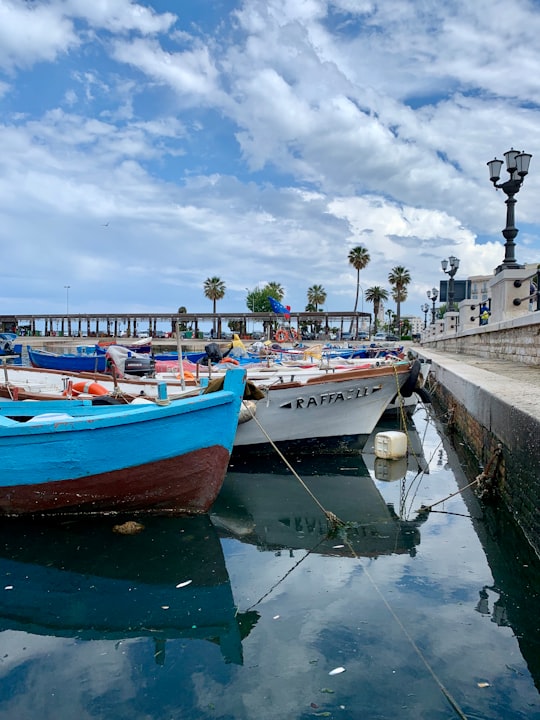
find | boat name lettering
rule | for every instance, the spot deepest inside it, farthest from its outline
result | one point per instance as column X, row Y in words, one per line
column 332, row 397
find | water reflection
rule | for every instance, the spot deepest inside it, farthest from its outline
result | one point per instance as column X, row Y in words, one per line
column 80, row 579
column 97, row 624
column 268, row 506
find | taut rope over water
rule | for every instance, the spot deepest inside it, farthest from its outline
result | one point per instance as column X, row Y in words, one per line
column 330, row 516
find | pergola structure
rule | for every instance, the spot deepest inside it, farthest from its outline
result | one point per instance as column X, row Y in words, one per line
column 131, row 324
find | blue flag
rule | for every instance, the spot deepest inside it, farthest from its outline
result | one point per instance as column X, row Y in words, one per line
column 278, row 308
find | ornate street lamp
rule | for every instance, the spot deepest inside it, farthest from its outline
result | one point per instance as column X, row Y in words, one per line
column 517, row 165
column 454, row 264
column 433, row 294
column 425, row 309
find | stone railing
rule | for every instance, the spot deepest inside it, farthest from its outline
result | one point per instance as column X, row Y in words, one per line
column 512, row 331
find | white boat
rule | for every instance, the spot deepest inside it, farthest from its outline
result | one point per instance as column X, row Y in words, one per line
column 335, row 407
column 309, row 408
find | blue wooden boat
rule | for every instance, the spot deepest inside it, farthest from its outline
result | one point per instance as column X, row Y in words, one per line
column 158, row 456
column 67, row 362
column 90, row 360
column 172, row 356
column 165, row 582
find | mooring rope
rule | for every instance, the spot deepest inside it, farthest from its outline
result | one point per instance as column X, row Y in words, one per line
column 487, row 474
column 329, row 515
column 447, row 694
column 335, row 521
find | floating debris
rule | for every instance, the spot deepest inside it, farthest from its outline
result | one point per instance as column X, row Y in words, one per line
column 483, row 684
column 184, row 584
column 128, row 528
column 337, row 671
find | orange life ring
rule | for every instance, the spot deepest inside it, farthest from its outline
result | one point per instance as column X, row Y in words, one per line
column 229, row 360
column 293, row 333
column 89, row 388
column 281, row 335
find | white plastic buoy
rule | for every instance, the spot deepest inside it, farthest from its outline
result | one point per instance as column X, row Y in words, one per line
column 390, row 445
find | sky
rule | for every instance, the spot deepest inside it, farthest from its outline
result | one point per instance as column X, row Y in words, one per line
column 148, row 146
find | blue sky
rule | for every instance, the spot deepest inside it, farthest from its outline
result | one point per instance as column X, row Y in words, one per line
column 148, row 146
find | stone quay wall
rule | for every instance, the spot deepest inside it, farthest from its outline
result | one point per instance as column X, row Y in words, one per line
column 499, row 420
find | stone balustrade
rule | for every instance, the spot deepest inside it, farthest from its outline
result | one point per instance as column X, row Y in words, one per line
column 511, row 333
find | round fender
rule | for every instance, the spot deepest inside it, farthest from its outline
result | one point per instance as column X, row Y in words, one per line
column 409, row 385
column 423, row 394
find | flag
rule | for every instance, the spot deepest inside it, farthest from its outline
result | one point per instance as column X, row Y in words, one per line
column 278, row 308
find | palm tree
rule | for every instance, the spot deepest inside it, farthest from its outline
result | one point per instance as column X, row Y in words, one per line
column 399, row 277
column 316, row 296
column 214, row 290
column 376, row 295
column 275, row 290
column 358, row 258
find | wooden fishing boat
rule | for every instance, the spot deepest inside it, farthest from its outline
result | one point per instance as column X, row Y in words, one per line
column 27, row 383
column 172, row 456
column 97, row 360
column 309, row 409
column 334, row 407
column 69, row 362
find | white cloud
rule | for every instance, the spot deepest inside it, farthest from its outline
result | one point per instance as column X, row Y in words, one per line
column 32, row 33
column 270, row 140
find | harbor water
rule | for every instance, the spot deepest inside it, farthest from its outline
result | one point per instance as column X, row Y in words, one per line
column 317, row 587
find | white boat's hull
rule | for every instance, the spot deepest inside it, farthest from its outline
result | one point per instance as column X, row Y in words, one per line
column 342, row 407
column 308, row 407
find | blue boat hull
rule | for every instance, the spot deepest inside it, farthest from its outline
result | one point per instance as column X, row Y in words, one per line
column 68, row 362
column 146, row 457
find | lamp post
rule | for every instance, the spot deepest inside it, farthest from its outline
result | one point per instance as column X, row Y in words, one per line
column 433, row 294
column 425, row 309
column 454, row 264
column 517, row 165
column 67, row 298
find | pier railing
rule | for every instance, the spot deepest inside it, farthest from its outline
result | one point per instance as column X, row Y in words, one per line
column 506, row 325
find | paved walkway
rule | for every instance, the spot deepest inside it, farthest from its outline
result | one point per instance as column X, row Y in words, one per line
column 518, row 372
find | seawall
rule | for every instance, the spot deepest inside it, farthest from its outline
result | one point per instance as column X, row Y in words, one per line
column 495, row 408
